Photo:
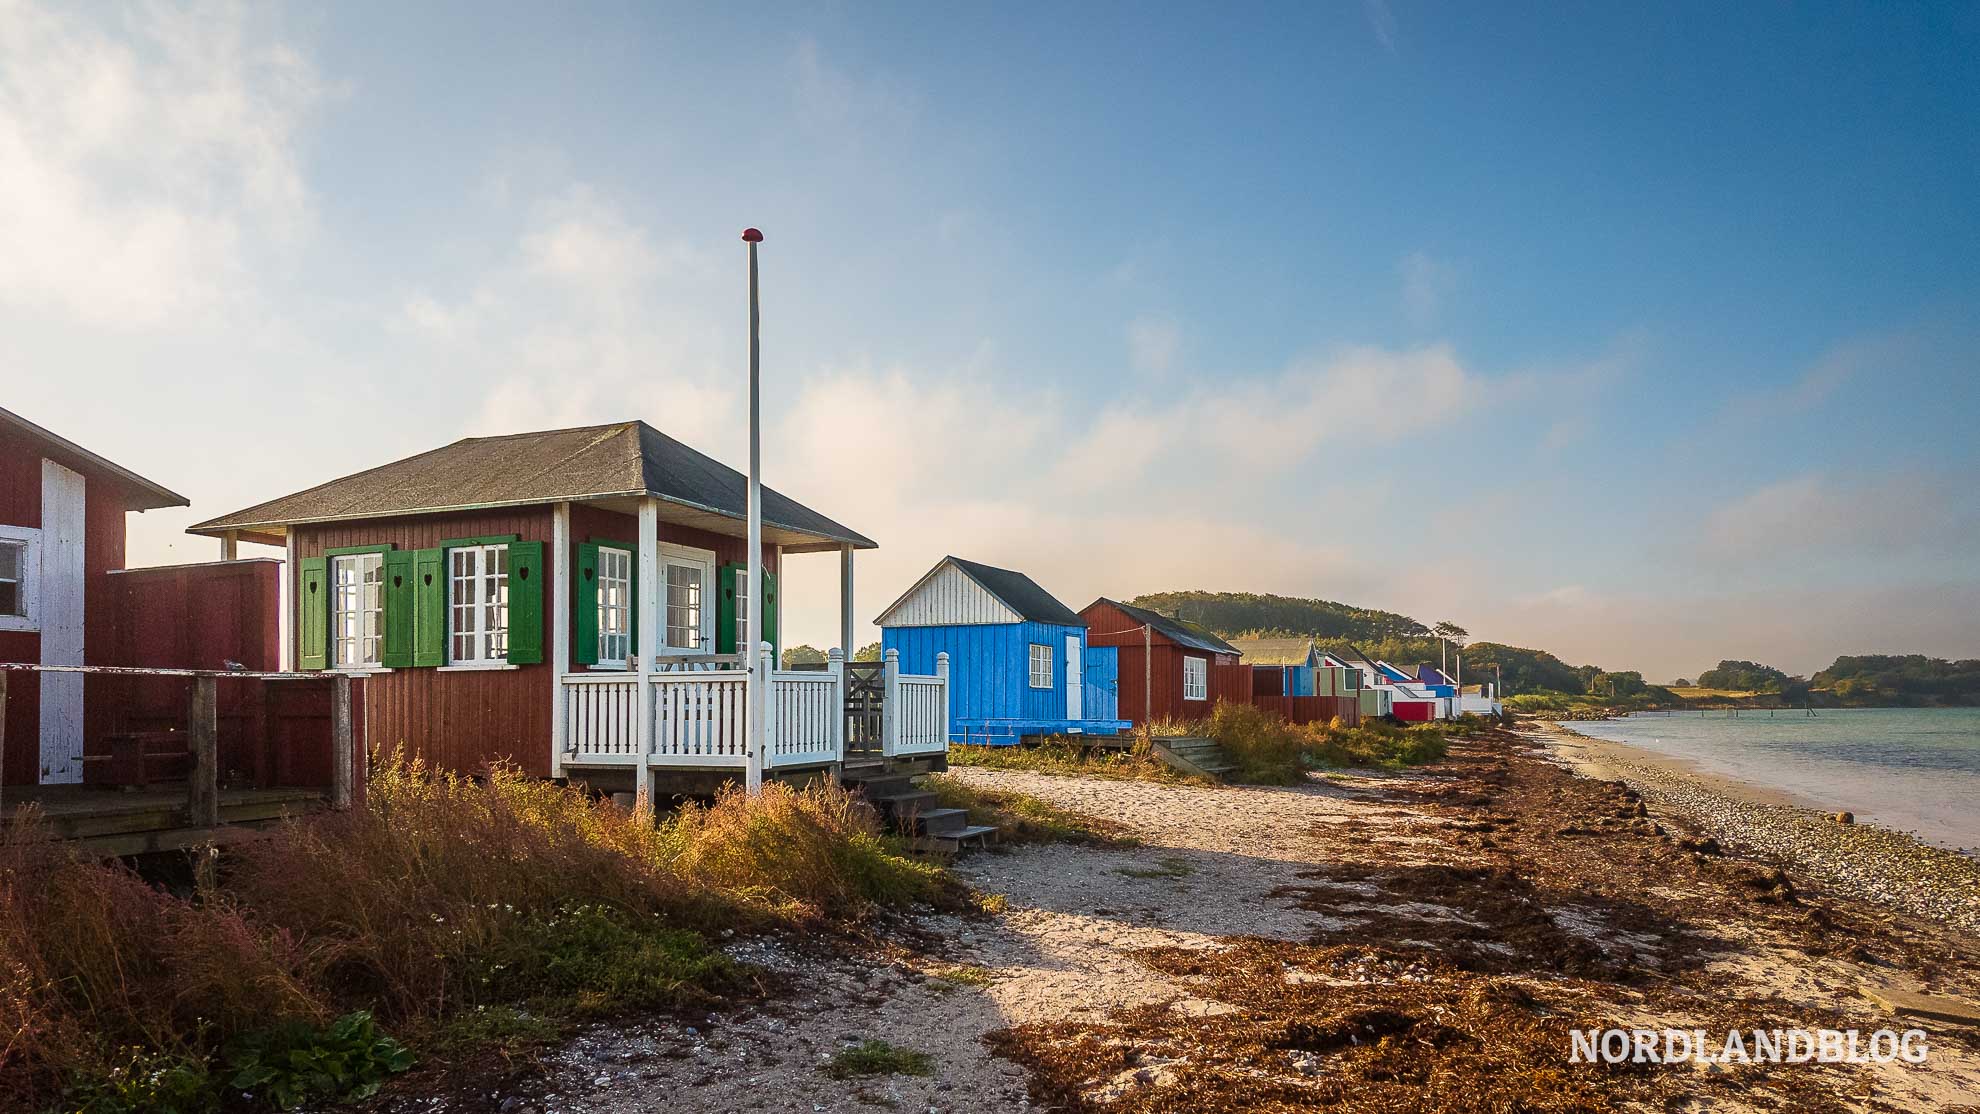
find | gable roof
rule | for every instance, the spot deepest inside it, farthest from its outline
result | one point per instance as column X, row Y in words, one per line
column 1020, row 593
column 142, row 494
column 622, row 460
column 1350, row 656
column 1179, row 631
column 1275, row 651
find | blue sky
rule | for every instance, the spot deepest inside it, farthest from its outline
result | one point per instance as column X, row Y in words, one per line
column 1646, row 336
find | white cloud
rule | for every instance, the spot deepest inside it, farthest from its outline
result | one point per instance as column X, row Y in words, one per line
column 1818, row 513
column 146, row 156
column 1152, row 344
column 1275, row 422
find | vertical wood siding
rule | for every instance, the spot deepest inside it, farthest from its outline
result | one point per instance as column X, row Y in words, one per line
column 989, row 666
column 949, row 598
column 460, row 720
column 464, row 719
column 1228, row 678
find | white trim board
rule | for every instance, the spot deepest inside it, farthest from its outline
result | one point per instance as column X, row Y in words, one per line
column 63, row 522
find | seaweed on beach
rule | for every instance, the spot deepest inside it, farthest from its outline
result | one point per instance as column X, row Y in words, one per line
column 1448, row 969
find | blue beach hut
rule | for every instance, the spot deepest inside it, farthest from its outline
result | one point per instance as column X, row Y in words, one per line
column 1019, row 664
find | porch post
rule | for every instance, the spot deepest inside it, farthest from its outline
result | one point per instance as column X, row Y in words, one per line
column 835, row 664
column 230, row 545
column 942, row 671
column 846, row 601
column 759, row 750
column 649, row 647
column 890, row 701
column 560, row 631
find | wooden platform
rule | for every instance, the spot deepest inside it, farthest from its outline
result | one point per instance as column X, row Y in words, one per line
column 115, row 822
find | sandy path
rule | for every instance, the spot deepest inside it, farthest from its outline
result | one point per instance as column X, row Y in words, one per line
column 1211, row 861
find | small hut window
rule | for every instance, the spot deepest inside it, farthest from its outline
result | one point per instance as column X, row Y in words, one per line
column 13, row 579
column 357, row 609
column 1196, row 678
column 1041, row 665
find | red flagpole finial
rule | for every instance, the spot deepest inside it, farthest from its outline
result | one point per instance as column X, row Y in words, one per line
column 752, row 235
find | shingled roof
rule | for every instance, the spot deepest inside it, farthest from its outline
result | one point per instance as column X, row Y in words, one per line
column 1021, row 593
column 141, row 494
column 619, row 461
column 1180, row 631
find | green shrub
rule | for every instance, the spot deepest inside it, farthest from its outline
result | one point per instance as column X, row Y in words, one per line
column 1265, row 748
column 290, row 1064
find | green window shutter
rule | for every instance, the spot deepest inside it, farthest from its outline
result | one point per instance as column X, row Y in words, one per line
column 398, row 652
column 430, row 607
column 725, row 609
column 525, row 603
column 584, row 606
column 769, row 613
column 313, row 613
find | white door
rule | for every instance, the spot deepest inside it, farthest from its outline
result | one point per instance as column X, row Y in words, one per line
column 687, row 587
column 1075, row 678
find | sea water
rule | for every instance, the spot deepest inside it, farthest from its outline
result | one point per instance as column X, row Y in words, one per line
column 1913, row 769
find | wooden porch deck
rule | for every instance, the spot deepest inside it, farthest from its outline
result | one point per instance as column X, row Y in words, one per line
column 109, row 821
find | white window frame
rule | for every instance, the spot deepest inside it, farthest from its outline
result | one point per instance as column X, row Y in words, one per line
column 703, row 559
column 484, row 635
column 29, row 540
column 358, row 563
column 1036, row 660
column 1196, row 678
column 615, row 555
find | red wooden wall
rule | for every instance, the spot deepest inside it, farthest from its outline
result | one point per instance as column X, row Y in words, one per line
column 1311, row 709
column 104, row 507
column 1228, row 678
column 465, row 719
column 460, row 719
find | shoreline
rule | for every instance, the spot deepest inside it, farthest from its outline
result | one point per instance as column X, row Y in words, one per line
column 1863, row 860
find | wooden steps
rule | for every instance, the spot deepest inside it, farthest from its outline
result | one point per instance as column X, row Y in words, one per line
column 911, row 810
column 1194, row 755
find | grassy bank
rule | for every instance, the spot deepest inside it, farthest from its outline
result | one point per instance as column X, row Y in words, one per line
column 1267, row 749
column 447, row 913
column 1270, row 751
column 1074, row 759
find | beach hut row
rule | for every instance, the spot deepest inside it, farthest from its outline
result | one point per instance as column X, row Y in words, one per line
column 1023, row 664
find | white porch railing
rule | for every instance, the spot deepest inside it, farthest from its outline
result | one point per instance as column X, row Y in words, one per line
column 701, row 715
column 914, row 711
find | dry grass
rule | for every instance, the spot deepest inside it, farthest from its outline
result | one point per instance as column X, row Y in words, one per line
column 1270, row 751
column 444, row 897
column 1023, row 818
column 1136, row 763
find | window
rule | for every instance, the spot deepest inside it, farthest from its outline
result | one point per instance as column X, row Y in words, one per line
column 478, row 603
column 1196, row 678
column 685, row 586
column 357, row 609
column 614, row 607
column 1041, row 666
column 745, row 638
column 13, row 579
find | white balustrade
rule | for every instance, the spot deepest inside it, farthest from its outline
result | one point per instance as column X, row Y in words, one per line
column 914, row 711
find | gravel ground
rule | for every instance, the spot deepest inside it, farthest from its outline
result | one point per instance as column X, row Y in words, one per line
column 1858, row 860
column 1216, row 863
column 1211, row 861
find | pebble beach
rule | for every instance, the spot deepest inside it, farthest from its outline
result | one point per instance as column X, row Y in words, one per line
column 1865, row 861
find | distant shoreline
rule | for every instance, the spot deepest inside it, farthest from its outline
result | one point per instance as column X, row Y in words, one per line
column 1864, row 860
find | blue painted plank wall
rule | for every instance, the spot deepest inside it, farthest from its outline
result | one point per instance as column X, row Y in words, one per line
column 989, row 666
